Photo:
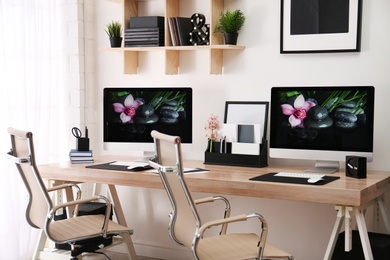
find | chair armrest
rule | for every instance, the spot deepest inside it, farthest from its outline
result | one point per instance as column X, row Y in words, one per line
column 66, row 185
column 74, row 202
column 243, row 217
column 263, row 235
column 227, row 208
column 80, row 201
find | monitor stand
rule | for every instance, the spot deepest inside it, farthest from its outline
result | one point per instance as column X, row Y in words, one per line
column 324, row 167
column 147, row 155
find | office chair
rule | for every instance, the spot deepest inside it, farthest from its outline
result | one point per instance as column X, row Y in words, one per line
column 76, row 230
column 186, row 227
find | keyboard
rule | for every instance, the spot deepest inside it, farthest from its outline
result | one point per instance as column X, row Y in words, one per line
column 300, row 175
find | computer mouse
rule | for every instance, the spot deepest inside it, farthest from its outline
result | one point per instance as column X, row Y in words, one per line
column 314, row 180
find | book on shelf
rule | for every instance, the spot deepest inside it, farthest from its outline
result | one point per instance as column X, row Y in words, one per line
column 184, row 27
column 146, row 21
column 144, row 45
column 172, row 25
column 179, row 29
column 145, row 29
column 140, row 37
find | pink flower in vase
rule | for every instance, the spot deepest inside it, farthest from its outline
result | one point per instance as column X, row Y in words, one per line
column 212, row 127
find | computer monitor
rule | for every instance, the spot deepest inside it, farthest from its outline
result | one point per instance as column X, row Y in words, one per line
column 322, row 123
column 131, row 113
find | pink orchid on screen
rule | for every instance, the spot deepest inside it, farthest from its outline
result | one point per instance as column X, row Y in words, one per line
column 128, row 109
column 298, row 112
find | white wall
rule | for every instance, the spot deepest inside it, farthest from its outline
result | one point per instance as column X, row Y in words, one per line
column 300, row 228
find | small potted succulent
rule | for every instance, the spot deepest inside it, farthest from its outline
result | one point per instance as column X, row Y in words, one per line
column 114, row 31
column 229, row 24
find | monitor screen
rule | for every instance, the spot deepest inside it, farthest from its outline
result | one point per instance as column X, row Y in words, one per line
column 131, row 113
column 322, row 123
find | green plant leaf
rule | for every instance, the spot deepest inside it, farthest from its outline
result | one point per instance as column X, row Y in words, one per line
column 230, row 22
column 114, row 29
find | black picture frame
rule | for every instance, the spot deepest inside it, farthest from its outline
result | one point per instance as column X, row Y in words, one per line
column 247, row 112
column 335, row 26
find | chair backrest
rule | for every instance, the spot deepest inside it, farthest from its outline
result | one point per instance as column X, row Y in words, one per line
column 22, row 152
column 184, row 217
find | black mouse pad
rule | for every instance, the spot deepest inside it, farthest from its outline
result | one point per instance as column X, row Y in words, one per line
column 108, row 166
column 270, row 177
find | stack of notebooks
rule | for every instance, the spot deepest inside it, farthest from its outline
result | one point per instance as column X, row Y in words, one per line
column 77, row 156
column 179, row 29
column 145, row 31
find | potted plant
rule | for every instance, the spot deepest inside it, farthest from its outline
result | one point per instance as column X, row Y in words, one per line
column 229, row 24
column 114, row 31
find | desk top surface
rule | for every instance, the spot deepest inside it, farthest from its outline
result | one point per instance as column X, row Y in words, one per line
column 232, row 180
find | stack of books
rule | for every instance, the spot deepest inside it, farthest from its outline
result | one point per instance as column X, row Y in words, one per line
column 179, row 29
column 145, row 31
column 140, row 37
column 77, row 156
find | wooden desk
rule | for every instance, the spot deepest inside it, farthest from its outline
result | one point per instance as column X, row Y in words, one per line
column 351, row 196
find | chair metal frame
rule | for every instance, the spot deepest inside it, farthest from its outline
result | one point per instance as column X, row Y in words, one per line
column 161, row 162
column 40, row 210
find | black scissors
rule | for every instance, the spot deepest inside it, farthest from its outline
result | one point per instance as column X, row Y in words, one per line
column 76, row 132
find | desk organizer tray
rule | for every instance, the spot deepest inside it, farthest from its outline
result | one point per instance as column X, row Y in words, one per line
column 228, row 158
column 270, row 177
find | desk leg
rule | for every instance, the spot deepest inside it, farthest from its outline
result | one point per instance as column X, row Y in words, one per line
column 335, row 232
column 121, row 220
column 361, row 223
column 40, row 245
column 345, row 213
column 385, row 213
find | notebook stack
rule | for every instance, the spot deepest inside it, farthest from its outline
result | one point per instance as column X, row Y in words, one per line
column 145, row 31
column 77, row 156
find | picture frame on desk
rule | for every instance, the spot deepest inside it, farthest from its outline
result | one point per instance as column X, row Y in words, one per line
column 315, row 26
column 241, row 114
column 247, row 112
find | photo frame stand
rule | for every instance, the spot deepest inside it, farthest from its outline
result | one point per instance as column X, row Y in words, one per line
column 230, row 159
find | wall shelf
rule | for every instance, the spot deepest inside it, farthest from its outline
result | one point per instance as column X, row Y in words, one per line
column 172, row 53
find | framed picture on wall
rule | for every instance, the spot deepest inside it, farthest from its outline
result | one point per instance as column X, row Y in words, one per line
column 310, row 26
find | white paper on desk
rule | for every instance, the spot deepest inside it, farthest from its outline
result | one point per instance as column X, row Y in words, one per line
column 245, row 148
column 130, row 165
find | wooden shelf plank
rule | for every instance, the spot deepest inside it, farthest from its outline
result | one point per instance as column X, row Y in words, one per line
column 177, row 48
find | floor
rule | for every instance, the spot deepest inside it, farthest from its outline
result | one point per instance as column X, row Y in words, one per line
column 114, row 256
column 111, row 253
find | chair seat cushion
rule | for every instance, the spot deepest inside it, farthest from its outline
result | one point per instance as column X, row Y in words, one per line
column 73, row 229
column 235, row 246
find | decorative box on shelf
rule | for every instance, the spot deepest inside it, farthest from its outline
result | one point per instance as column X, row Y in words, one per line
column 225, row 156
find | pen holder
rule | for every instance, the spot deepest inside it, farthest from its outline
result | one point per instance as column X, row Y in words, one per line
column 82, row 144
